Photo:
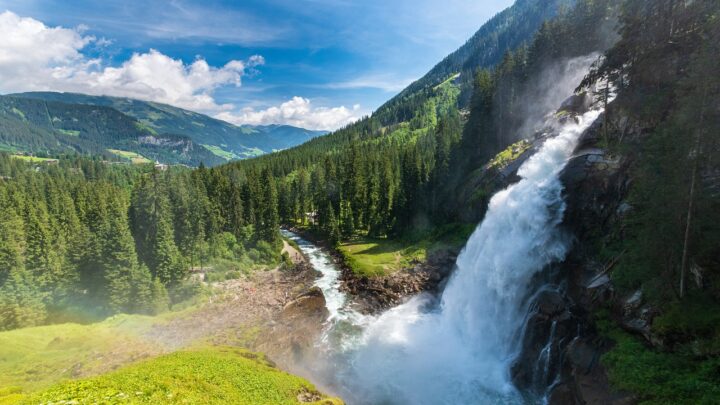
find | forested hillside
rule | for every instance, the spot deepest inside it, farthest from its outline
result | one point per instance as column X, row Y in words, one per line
column 86, row 239
column 505, row 32
column 411, row 176
column 50, row 124
column 51, row 128
column 222, row 137
column 633, row 305
column 663, row 245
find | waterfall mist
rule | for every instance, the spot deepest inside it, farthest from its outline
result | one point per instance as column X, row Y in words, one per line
column 460, row 351
column 458, row 348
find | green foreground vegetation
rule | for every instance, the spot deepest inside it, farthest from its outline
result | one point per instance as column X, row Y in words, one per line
column 35, row 358
column 657, row 377
column 220, row 375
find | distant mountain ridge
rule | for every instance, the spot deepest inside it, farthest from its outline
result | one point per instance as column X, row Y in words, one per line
column 506, row 31
column 160, row 131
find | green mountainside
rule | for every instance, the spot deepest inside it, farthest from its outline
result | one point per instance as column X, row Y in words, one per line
column 638, row 310
column 409, row 167
column 506, row 31
column 46, row 122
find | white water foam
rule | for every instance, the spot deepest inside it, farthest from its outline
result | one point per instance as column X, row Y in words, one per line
column 460, row 352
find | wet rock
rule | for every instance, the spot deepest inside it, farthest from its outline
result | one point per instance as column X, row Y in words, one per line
column 308, row 304
column 582, row 355
column 562, row 394
column 550, row 303
column 577, row 103
column 596, row 185
column 636, row 316
column 308, row 396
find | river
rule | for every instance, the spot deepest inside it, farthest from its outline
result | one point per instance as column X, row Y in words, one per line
column 457, row 348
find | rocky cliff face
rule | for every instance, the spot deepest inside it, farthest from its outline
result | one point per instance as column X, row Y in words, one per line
column 560, row 338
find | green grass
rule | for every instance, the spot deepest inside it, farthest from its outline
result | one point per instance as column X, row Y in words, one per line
column 219, row 375
column 69, row 132
column 250, row 152
column 19, row 113
column 658, row 377
column 142, row 126
column 34, row 358
column 510, row 153
column 373, row 257
column 220, row 152
column 4, row 147
column 377, row 257
column 32, row 159
column 135, row 158
column 447, row 81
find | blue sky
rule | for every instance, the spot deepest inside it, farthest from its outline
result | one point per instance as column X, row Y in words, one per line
column 317, row 56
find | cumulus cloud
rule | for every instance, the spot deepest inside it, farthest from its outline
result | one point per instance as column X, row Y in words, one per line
column 297, row 111
column 34, row 56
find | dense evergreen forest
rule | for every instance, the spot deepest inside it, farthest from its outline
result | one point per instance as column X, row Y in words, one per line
column 395, row 174
column 119, row 238
column 665, row 66
column 85, row 238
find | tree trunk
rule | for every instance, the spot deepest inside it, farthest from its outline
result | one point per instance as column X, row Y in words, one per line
column 688, row 222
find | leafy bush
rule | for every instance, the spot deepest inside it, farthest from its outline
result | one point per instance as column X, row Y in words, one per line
column 658, row 377
column 186, row 293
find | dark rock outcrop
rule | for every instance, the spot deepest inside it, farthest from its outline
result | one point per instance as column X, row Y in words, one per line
column 372, row 295
column 560, row 357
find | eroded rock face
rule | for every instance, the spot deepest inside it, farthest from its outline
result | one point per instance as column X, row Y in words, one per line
column 560, row 323
column 549, row 327
column 289, row 339
column 373, row 295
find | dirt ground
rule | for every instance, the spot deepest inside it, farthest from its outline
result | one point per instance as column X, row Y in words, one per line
column 276, row 312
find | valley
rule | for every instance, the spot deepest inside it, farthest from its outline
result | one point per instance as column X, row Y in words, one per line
column 536, row 220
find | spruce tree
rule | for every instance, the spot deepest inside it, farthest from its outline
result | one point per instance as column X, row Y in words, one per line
column 270, row 226
column 21, row 302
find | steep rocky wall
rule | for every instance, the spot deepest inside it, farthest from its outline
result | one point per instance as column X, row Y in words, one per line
column 560, row 330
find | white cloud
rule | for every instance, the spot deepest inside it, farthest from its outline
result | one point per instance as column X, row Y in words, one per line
column 298, row 112
column 34, row 56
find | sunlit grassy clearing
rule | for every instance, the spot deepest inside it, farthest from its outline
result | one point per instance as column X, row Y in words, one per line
column 220, row 375
column 135, row 158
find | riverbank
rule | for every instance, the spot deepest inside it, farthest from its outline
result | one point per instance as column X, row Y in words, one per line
column 276, row 312
column 424, row 270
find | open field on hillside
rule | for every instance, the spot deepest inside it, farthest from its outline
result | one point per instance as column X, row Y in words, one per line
column 135, row 158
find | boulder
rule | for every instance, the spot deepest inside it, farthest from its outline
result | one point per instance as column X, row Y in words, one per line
column 577, row 103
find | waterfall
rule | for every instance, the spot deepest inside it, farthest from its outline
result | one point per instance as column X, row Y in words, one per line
column 458, row 350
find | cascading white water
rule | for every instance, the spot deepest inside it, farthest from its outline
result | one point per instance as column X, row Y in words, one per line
column 329, row 281
column 460, row 352
column 343, row 322
column 458, row 349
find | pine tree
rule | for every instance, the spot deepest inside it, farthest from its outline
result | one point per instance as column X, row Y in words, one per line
column 12, row 239
column 332, row 229
column 270, row 226
column 120, row 265
column 347, row 219
column 21, row 303
column 167, row 263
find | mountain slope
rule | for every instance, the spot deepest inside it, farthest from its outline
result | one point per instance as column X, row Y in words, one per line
column 235, row 141
column 39, row 126
column 505, row 32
